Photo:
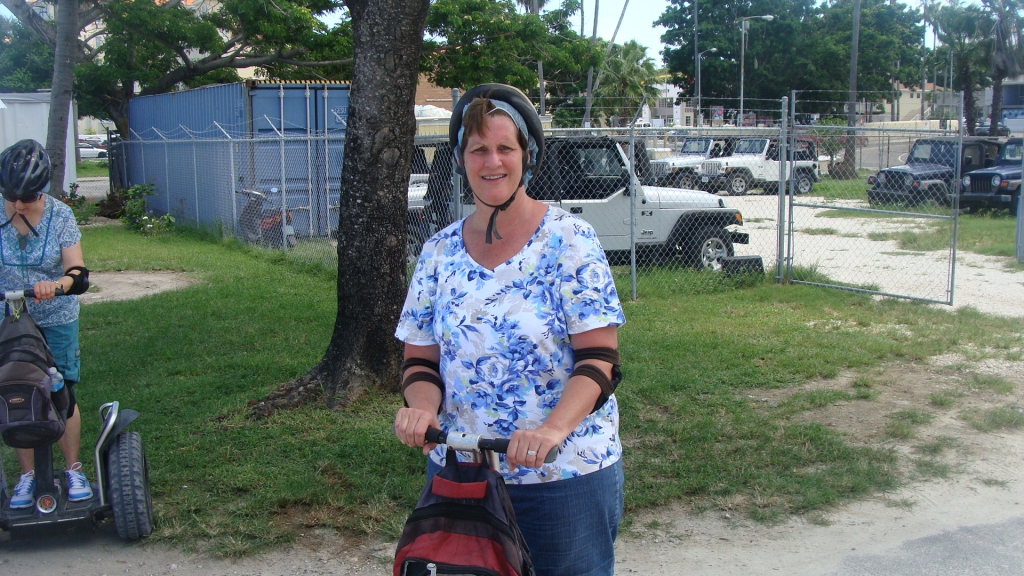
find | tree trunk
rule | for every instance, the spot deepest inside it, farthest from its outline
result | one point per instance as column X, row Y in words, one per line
column 64, row 57
column 968, row 112
column 997, row 104
column 847, row 169
column 363, row 352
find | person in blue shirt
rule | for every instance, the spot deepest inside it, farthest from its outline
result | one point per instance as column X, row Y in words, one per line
column 40, row 247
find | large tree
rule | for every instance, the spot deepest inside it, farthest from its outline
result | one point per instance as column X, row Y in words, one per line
column 1005, row 49
column 799, row 49
column 962, row 28
column 363, row 353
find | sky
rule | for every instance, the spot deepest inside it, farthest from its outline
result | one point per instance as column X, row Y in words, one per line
column 637, row 23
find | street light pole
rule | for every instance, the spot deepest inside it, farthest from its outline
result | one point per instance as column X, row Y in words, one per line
column 700, row 56
column 744, row 25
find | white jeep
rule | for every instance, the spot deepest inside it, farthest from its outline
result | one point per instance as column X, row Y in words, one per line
column 680, row 171
column 755, row 163
column 589, row 176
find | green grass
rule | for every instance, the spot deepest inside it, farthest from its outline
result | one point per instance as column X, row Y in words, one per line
column 994, row 419
column 902, row 424
column 943, row 399
column 993, row 383
column 991, row 233
column 937, row 446
column 191, row 360
column 833, row 189
column 819, row 231
column 91, row 168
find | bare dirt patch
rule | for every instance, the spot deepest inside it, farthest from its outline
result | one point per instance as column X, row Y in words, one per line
column 128, row 285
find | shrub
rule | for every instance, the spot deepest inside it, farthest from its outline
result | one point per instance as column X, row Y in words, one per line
column 137, row 217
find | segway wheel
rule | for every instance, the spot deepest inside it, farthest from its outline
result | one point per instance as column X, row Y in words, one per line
column 129, row 487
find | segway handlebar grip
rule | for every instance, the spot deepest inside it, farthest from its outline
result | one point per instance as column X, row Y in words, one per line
column 26, row 293
column 471, row 442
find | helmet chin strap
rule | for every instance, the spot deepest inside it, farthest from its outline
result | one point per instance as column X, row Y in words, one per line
column 491, row 222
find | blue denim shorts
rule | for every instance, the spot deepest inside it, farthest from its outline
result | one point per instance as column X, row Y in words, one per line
column 63, row 343
column 569, row 525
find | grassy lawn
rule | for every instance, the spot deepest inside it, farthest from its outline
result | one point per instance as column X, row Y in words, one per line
column 90, row 168
column 988, row 232
column 833, row 189
column 191, row 360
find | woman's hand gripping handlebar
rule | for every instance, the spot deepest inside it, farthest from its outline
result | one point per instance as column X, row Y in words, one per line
column 471, row 442
column 25, row 294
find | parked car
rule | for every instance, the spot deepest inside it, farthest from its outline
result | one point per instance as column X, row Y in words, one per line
column 930, row 174
column 983, row 130
column 996, row 186
column 86, row 152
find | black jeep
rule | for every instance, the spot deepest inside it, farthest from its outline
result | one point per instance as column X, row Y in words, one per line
column 930, row 171
column 997, row 186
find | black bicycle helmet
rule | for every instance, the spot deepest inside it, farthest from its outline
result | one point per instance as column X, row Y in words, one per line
column 513, row 97
column 24, row 171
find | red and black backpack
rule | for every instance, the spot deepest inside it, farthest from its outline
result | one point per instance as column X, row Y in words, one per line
column 463, row 524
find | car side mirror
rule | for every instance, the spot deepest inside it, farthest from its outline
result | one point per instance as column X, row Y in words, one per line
column 626, row 181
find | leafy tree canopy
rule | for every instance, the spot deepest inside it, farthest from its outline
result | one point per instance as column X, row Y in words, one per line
column 804, row 47
column 26, row 63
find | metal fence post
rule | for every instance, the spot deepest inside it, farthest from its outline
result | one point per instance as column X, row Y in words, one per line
column 231, row 192
column 955, row 204
column 195, row 174
column 167, row 171
column 634, row 188
column 789, row 219
column 780, row 222
column 1020, row 219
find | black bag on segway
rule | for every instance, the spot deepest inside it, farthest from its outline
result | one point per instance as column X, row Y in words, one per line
column 29, row 416
column 463, row 524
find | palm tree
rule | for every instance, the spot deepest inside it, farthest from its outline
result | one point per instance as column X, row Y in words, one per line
column 534, row 7
column 1005, row 49
column 626, row 77
column 963, row 28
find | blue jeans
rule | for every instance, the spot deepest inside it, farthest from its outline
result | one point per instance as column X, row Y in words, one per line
column 570, row 525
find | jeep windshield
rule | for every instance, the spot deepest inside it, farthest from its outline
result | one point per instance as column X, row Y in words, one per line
column 750, row 146
column 944, row 153
column 1010, row 153
column 695, row 146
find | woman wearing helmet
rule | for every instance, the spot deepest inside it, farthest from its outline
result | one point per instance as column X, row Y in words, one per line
column 40, row 247
column 510, row 330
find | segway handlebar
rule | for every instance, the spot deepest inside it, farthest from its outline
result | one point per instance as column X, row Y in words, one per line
column 26, row 293
column 470, row 442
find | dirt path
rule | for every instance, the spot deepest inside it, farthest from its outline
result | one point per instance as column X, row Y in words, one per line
column 985, row 484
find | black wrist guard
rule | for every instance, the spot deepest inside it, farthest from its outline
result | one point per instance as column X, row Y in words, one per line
column 80, row 284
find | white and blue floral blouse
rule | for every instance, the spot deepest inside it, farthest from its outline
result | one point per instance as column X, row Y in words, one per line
column 29, row 259
column 504, row 337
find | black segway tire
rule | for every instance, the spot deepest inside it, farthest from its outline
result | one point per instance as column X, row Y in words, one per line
column 129, row 487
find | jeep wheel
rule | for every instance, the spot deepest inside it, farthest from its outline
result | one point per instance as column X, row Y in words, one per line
column 709, row 247
column 803, row 184
column 739, row 184
column 686, row 180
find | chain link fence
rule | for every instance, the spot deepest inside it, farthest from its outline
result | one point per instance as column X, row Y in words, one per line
column 676, row 209
column 883, row 219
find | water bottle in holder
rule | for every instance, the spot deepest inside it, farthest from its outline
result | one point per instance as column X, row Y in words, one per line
column 56, row 380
